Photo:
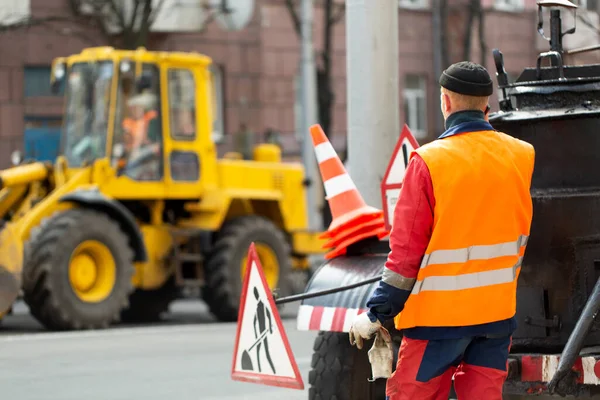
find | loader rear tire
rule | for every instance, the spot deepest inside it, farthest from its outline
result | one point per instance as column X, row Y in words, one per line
column 222, row 267
column 49, row 284
column 148, row 305
column 340, row 371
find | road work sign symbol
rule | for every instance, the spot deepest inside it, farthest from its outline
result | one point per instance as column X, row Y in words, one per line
column 262, row 351
column 394, row 175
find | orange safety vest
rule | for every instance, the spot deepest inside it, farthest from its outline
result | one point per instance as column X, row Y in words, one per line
column 138, row 128
column 482, row 217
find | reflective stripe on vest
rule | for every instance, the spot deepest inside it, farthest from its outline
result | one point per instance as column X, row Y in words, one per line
column 481, row 252
column 468, row 281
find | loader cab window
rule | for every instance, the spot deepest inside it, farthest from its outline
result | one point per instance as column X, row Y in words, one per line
column 182, row 104
column 87, row 106
column 137, row 143
column 184, row 164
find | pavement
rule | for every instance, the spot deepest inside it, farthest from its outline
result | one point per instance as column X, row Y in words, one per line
column 188, row 356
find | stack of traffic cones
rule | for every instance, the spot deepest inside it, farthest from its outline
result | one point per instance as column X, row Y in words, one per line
column 353, row 220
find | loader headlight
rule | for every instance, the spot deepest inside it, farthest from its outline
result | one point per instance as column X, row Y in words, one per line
column 59, row 71
column 16, row 158
column 125, row 66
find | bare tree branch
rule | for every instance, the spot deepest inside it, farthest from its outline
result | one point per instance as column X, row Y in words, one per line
column 291, row 6
column 327, row 18
column 445, row 56
column 338, row 14
column 133, row 23
column 119, row 13
column 91, row 40
column 482, row 42
column 144, row 28
column 471, row 10
column 27, row 22
column 97, row 18
column 155, row 11
column 48, row 23
column 74, row 6
column 134, row 16
column 588, row 23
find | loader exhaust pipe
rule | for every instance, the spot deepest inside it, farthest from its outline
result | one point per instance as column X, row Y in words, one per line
column 575, row 342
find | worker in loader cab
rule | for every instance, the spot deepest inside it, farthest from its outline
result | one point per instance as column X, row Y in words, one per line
column 458, row 236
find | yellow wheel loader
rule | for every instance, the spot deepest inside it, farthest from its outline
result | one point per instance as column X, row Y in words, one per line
column 137, row 206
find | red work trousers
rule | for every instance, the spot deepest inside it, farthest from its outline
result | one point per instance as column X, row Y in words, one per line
column 425, row 369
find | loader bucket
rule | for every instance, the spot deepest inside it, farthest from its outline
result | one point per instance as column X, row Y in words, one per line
column 11, row 264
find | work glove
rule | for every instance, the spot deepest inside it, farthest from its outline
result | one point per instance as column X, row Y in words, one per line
column 363, row 329
column 381, row 355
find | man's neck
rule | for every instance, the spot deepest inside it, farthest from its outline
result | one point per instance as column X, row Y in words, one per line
column 464, row 116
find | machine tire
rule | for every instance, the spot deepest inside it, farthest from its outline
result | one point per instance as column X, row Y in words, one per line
column 222, row 267
column 148, row 305
column 46, row 286
column 340, row 371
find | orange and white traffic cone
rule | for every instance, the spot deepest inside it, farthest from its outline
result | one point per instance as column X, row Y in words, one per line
column 352, row 219
column 341, row 247
column 346, row 203
column 355, row 230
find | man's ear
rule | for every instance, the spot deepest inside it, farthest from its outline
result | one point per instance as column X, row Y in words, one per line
column 446, row 103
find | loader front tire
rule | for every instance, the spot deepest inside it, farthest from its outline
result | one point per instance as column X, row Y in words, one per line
column 225, row 265
column 78, row 271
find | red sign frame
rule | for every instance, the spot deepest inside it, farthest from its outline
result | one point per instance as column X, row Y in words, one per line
column 252, row 377
column 406, row 134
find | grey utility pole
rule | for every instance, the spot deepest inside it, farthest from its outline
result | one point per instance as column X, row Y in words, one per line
column 309, row 115
column 373, row 86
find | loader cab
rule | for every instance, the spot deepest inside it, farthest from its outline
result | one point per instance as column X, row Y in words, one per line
column 149, row 114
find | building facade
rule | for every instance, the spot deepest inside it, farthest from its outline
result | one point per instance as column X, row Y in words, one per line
column 259, row 65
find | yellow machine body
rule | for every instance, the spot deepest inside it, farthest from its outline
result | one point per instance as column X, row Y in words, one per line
column 111, row 96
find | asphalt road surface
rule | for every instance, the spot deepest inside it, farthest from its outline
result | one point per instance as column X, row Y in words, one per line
column 188, row 356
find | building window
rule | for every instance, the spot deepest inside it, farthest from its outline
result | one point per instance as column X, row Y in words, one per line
column 218, row 103
column 413, row 4
column 509, row 5
column 36, row 82
column 589, row 5
column 415, row 104
column 182, row 103
column 41, row 138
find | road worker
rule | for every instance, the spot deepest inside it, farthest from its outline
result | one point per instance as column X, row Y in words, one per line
column 459, row 232
column 142, row 137
column 142, row 111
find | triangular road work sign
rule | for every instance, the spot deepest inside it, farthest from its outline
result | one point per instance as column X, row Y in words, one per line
column 394, row 175
column 262, row 352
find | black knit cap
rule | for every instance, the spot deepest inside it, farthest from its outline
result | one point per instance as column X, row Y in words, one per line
column 467, row 78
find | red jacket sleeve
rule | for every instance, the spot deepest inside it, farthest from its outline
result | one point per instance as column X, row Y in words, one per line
column 411, row 230
column 413, row 220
